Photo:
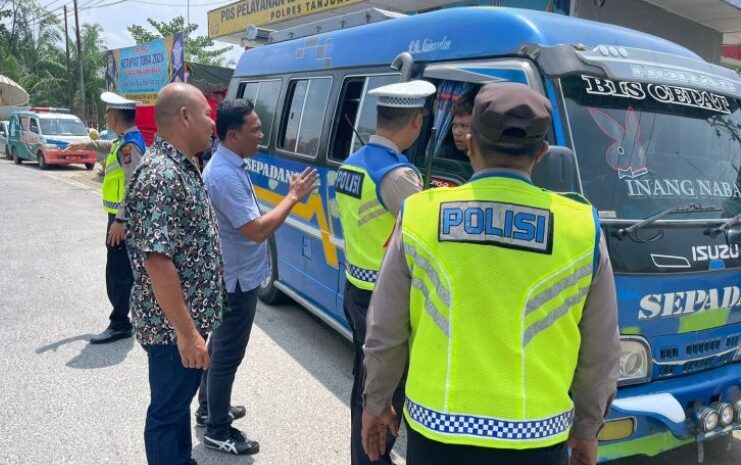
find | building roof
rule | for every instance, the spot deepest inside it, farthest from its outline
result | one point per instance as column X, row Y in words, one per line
column 450, row 34
column 209, row 78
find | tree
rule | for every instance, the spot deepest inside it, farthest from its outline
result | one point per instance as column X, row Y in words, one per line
column 195, row 46
column 32, row 53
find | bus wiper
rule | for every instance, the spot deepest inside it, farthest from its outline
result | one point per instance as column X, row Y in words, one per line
column 689, row 208
column 725, row 226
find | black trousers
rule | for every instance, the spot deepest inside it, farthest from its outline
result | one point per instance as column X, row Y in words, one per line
column 355, row 304
column 118, row 282
column 226, row 347
column 424, row 451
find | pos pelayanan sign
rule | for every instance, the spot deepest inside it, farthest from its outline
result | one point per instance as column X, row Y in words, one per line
column 237, row 16
column 139, row 72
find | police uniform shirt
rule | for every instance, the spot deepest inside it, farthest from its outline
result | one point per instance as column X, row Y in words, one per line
column 398, row 184
column 388, row 329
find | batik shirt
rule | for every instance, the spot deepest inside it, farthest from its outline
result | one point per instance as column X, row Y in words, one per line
column 169, row 213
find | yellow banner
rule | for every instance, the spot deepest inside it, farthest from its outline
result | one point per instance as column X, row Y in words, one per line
column 236, row 17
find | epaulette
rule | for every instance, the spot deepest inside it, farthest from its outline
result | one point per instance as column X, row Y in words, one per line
column 575, row 196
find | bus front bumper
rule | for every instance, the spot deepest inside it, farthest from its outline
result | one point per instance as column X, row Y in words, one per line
column 664, row 413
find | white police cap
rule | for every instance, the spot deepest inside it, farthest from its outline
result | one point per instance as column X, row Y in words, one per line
column 117, row 102
column 410, row 94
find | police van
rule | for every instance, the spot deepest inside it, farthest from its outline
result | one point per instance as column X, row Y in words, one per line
column 643, row 128
column 42, row 133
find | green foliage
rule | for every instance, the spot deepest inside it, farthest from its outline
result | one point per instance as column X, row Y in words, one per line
column 32, row 53
column 195, row 47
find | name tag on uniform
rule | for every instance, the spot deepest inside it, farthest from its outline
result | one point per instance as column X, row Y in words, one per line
column 496, row 223
column 349, row 183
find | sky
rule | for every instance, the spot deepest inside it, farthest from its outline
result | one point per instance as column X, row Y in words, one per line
column 115, row 18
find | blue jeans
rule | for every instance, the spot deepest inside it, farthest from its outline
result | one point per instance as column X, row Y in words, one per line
column 226, row 348
column 172, row 387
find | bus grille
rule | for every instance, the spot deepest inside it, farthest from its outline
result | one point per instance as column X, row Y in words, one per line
column 695, row 357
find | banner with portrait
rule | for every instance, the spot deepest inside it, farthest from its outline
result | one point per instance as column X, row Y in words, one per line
column 139, row 72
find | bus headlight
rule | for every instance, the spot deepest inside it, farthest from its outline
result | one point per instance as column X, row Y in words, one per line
column 635, row 361
column 737, row 408
column 725, row 412
column 707, row 418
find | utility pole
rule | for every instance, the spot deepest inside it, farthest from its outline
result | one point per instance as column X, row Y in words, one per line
column 79, row 60
column 66, row 41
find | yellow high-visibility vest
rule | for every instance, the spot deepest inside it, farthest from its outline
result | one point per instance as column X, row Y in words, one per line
column 366, row 223
column 500, row 273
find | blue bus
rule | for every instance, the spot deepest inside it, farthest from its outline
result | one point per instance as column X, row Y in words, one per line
column 644, row 128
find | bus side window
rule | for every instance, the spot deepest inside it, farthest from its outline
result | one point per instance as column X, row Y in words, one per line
column 34, row 127
column 248, row 90
column 303, row 118
column 266, row 102
column 352, row 90
column 357, row 106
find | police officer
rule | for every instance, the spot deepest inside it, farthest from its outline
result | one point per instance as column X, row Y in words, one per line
column 124, row 154
column 501, row 296
column 370, row 187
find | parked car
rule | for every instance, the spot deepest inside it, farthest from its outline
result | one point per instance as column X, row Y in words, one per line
column 4, row 139
column 42, row 134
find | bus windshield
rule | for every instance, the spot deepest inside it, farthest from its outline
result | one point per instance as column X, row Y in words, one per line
column 643, row 148
column 62, row 127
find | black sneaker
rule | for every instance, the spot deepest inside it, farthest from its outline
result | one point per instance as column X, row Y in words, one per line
column 235, row 413
column 233, row 442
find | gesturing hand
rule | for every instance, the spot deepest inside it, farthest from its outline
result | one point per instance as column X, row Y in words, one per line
column 374, row 432
column 193, row 350
column 74, row 147
column 302, row 185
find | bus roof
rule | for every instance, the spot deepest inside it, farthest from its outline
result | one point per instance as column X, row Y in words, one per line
column 450, row 34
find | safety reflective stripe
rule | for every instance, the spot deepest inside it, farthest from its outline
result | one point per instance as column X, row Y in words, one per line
column 569, row 277
column 361, row 274
column 368, row 205
column 437, row 317
column 499, row 429
column 112, row 166
column 371, row 215
column 555, row 289
column 109, row 204
column 442, row 292
column 422, row 262
column 554, row 315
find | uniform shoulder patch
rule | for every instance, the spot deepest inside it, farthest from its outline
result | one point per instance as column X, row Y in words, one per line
column 574, row 196
column 498, row 224
column 125, row 153
column 349, row 183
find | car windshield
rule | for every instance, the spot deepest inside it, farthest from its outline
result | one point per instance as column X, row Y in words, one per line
column 643, row 148
column 62, row 127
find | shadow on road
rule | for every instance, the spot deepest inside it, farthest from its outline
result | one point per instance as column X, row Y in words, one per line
column 56, row 345
column 93, row 356
column 102, row 355
column 318, row 348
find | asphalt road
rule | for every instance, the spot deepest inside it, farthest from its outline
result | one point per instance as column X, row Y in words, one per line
column 67, row 402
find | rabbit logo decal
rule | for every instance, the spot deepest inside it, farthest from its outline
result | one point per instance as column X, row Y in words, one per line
column 626, row 154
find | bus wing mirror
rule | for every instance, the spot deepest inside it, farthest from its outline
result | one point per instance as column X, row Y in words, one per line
column 404, row 62
column 557, row 171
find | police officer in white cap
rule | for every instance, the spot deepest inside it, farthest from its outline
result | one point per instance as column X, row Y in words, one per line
column 123, row 156
column 370, row 188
